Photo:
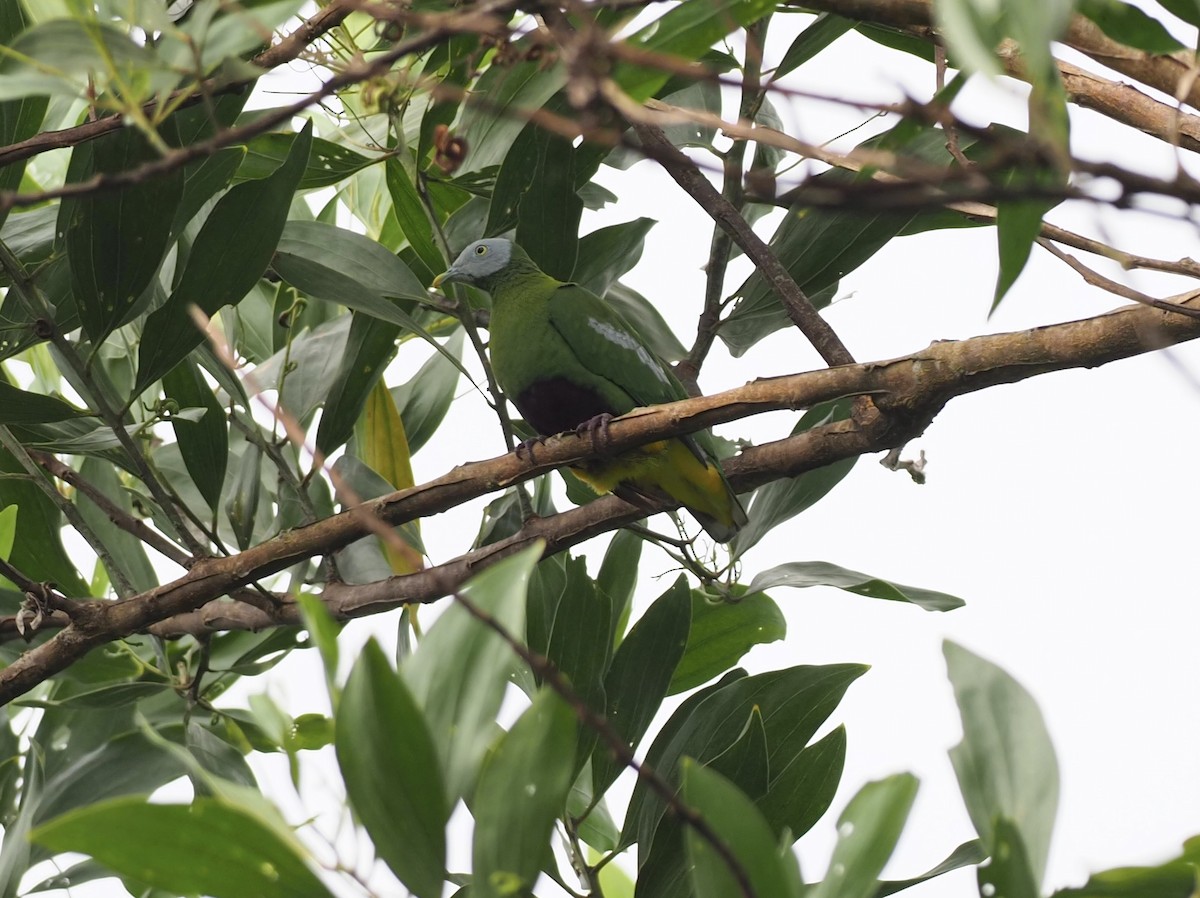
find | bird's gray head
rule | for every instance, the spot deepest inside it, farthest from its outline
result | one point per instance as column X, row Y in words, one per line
column 478, row 262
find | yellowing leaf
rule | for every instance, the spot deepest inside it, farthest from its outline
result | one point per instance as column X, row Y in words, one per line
column 383, row 447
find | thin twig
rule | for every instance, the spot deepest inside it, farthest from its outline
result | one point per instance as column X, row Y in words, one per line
column 120, row 579
column 1096, row 279
column 114, row 512
column 18, row 579
column 721, row 242
column 798, row 306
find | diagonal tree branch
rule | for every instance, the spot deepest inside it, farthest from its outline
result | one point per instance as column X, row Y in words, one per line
column 115, row 513
column 1165, row 72
column 799, row 308
column 913, row 389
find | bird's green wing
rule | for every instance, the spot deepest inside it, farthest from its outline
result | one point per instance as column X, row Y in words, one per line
column 608, row 346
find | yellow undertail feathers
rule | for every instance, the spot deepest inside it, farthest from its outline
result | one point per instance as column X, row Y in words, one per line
column 668, row 468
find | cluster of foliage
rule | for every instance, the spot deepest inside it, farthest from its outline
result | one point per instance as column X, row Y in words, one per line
column 168, row 207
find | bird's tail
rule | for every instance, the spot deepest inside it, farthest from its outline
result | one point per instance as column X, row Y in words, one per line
column 697, row 485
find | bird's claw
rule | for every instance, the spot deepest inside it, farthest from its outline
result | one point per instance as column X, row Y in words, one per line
column 526, row 446
column 597, row 429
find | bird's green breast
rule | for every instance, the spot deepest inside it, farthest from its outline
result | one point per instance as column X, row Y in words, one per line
column 536, row 368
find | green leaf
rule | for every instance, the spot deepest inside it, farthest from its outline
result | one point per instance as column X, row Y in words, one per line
column 824, row 30
column 116, row 239
column 782, row 500
column 746, row 763
column 820, row 246
column 1034, row 25
column 1008, row 872
column 972, row 29
column 618, row 577
column 513, row 181
column 38, row 549
column 793, row 702
column 460, row 670
column 216, row 755
column 686, row 31
column 1005, row 763
column 1018, row 225
column 596, row 826
column 251, row 653
column 424, row 400
column 1130, row 26
column 803, row 574
column 30, row 235
column 126, row 549
column 215, row 848
column 323, row 630
column 817, row 246
column 221, row 271
column 369, row 347
column 231, row 31
column 513, row 92
column 66, row 57
column 767, row 156
column 965, row 855
column 549, row 211
column 607, row 253
column 306, row 369
column 328, row 162
column 19, row 406
column 203, row 444
column 243, row 505
column 893, row 39
column 21, row 118
column 337, row 265
column 867, row 834
column 802, row 792
column 124, row 763
column 311, row 732
column 1188, row 10
column 522, row 790
column 573, row 623
column 116, row 695
column 640, row 673
column 8, row 535
column 701, row 97
column 413, row 219
column 1174, row 879
column 202, row 181
column 369, row 558
column 741, row 828
column 391, row 771
column 204, row 177
column 722, row 632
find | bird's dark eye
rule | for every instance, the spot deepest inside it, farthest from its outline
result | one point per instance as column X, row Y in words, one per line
column 481, row 250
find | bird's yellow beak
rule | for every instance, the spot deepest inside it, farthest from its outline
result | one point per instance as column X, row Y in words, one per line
column 440, row 279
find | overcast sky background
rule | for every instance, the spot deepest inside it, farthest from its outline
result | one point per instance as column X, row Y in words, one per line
column 1060, row 509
